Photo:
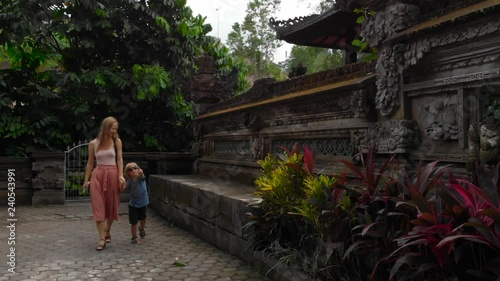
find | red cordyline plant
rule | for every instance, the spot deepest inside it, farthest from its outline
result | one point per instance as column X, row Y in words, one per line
column 458, row 241
column 368, row 176
column 378, row 219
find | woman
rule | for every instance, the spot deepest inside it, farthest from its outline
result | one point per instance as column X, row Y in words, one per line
column 106, row 179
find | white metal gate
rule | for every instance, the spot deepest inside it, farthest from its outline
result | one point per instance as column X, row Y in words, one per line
column 75, row 163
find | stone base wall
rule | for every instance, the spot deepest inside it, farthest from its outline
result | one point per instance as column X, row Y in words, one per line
column 39, row 179
column 211, row 210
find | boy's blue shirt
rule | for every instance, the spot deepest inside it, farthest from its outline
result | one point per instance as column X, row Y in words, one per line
column 138, row 193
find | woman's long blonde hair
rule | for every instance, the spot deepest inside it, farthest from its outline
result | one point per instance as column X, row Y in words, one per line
column 106, row 124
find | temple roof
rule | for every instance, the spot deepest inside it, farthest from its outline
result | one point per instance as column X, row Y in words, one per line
column 337, row 28
column 332, row 29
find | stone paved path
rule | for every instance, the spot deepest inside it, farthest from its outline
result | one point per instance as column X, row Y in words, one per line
column 58, row 243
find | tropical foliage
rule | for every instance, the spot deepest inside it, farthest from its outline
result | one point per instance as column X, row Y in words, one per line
column 315, row 59
column 72, row 63
column 376, row 222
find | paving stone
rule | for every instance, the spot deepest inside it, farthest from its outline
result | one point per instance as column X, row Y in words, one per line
column 58, row 243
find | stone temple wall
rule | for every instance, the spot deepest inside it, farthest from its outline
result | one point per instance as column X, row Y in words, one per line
column 332, row 112
column 433, row 94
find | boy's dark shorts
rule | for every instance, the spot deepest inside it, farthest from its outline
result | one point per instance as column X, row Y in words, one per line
column 136, row 214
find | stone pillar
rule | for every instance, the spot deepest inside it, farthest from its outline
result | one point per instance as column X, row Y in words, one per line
column 208, row 89
column 203, row 92
column 48, row 178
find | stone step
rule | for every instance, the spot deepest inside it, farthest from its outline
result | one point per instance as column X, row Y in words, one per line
column 213, row 210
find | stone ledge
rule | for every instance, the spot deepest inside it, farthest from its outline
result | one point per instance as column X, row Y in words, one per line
column 215, row 212
column 218, row 203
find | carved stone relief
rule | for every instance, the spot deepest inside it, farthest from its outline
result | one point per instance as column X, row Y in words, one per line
column 404, row 135
column 364, row 138
column 256, row 147
column 359, row 103
column 466, row 63
column 389, row 68
column 397, row 136
column 394, row 59
column 449, row 81
column 395, row 18
column 443, row 119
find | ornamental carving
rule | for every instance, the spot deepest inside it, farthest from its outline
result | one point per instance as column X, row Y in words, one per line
column 364, row 138
column 404, row 135
column 443, row 119
column 397, row 136
column 395, row 59
column 466, row 63
column 256, row 147
column 359, row 103
column 389, row 68
column 384, row 24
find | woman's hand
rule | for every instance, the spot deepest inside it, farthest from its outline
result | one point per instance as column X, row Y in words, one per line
column 122, row 183
column 86, row 185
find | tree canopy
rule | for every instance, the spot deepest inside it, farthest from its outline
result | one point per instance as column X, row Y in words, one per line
column 255, row 41
column 74, row 62
column 315, row 59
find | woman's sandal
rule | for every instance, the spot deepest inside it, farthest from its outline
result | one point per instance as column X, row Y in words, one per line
column 100, row 246
column 108, row 237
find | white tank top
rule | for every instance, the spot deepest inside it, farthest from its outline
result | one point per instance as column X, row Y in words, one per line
column 106, row 156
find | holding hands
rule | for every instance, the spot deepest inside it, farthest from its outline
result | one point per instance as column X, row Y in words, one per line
column 86, row 184
column 122, row 184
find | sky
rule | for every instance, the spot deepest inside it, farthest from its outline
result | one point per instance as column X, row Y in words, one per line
column 222, row 14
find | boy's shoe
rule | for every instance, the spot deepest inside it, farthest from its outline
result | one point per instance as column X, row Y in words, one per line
column 142, row 233
column 135, row 240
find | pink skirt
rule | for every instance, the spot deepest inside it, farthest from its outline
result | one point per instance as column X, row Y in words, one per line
column 105, row 192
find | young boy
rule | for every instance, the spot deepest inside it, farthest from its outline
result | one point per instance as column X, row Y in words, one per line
column 136, row 186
